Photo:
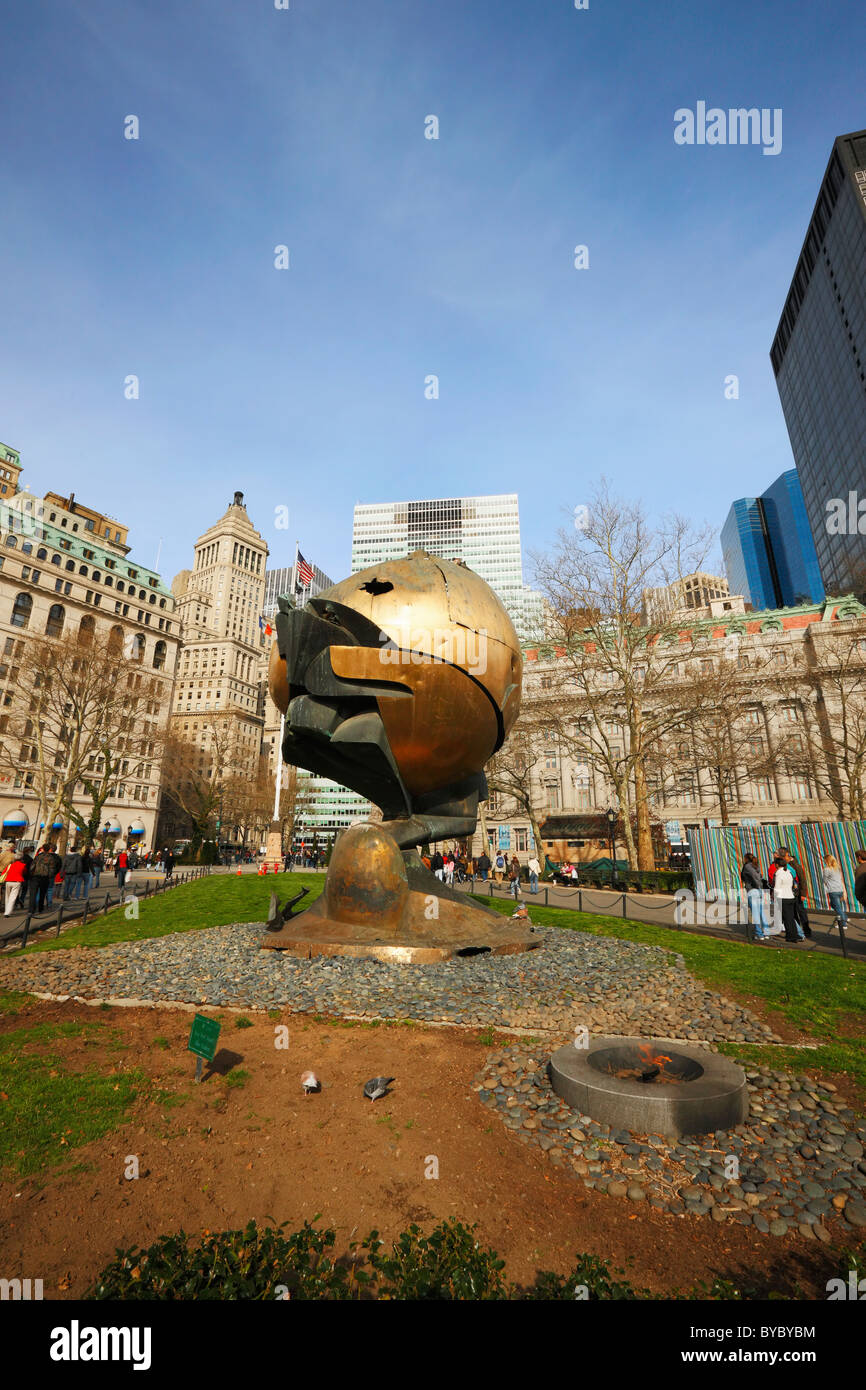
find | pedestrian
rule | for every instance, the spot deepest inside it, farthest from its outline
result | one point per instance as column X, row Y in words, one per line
column 71, row 872
column 287, row 862
column 514, row 878
column 500, row 866
column 778, row 859
column 168, row 863
column 799, row 885
column 7, row 857
column 750, row 877
column 438, row 866
column 449, row 869
column 534, row 870
column 483, row 865
column 82, row 887
column 121, row 869
column 96, row 866
column 15, row 880
column 860, row 877
column 784, row 882
column 834, row 883
column 45, row 867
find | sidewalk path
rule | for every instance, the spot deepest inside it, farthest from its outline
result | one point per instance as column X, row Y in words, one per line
column 658, row 909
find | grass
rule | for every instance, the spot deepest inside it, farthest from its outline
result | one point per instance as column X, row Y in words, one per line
column 47, row 1110
column 821, row 995
column 214, row 901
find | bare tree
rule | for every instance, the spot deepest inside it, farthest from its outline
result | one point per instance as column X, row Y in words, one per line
column 715, row 695
column 199, row 769
column 612, row 669
column 78, row 718
column 511, row 773
column 828, row 745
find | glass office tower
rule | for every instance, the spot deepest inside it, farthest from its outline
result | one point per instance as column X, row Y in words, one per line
column 484, row 532
column 769, row 554
column 819, row 360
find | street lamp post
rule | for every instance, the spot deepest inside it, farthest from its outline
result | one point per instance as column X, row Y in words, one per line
column 611, row 822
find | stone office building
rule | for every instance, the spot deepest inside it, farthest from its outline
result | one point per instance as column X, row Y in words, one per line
column 67, row 568
column 793, row 766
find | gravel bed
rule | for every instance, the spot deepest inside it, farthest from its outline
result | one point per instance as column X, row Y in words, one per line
column 575, row 979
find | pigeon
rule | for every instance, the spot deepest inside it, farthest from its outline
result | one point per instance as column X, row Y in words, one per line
column 377, row 1087
column 310, row 1082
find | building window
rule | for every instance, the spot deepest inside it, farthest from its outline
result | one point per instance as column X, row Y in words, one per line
column 21, row 610
column 56, row 619
column 763, row 790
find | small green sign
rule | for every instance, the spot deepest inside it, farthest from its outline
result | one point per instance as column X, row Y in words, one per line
column 203, row 1036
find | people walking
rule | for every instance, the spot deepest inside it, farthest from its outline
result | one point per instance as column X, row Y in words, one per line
column 784, row 881
column 7, row 857
column 82, row 887
column 449, row 868
column 499, row 866
column 483, row 865
column 534, row 870
column 15, row 880
column 121, row 869
column 168, row 863
column 96, row 866
column 834, row 883
column 45, row 868
column 750, row 877
column 514, row 878
column 438, row 865
column 799, row 885
column 71, row 872
column 777, row 927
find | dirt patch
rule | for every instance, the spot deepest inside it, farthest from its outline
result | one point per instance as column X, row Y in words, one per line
column 260, row 1148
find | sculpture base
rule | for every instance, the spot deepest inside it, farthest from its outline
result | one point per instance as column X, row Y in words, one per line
column 386, row 905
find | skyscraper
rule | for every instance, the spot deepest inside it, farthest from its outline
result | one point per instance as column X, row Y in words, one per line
column 768, row 549
column 484, row 532
column 219, row 603
column 819, row 360
column 285, row 581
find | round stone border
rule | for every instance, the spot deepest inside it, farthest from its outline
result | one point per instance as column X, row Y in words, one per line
column 718, row 1099
column 798, row 1162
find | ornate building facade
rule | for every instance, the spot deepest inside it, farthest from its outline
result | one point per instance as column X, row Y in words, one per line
column 219, row 604
column 66, row 570
column 799, row 751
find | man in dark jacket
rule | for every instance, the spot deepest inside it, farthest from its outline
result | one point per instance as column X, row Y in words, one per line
column 860, row 877
column 168, row 863
column 46, row 866
column 484, row 865
column 71, row 873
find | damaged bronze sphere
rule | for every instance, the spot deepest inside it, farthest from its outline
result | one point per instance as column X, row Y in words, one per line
column 400, row 682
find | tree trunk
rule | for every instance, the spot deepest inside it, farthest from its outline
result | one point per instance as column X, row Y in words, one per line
column 646, row 860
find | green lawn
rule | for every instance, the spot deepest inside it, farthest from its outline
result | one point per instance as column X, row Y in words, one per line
column 823, row 995
column 214, row 901
column 47, row 1110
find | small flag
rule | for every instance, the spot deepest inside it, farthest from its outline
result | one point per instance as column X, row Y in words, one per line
column 264, row 626
column 305, row 572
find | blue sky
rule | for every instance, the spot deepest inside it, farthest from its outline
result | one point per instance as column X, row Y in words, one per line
column 409, row 256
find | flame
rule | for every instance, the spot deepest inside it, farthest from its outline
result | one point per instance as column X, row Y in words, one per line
column 651, row 1060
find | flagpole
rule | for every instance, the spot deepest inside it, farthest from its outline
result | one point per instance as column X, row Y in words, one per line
column 279, row 767
column 295, row 571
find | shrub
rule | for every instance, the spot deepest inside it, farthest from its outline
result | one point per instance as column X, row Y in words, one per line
column 248, row 1264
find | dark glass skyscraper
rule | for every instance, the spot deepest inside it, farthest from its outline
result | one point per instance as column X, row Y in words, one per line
column 768, row 549
column 819, row 359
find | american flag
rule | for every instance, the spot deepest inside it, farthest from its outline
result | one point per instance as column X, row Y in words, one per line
column 305, row 572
